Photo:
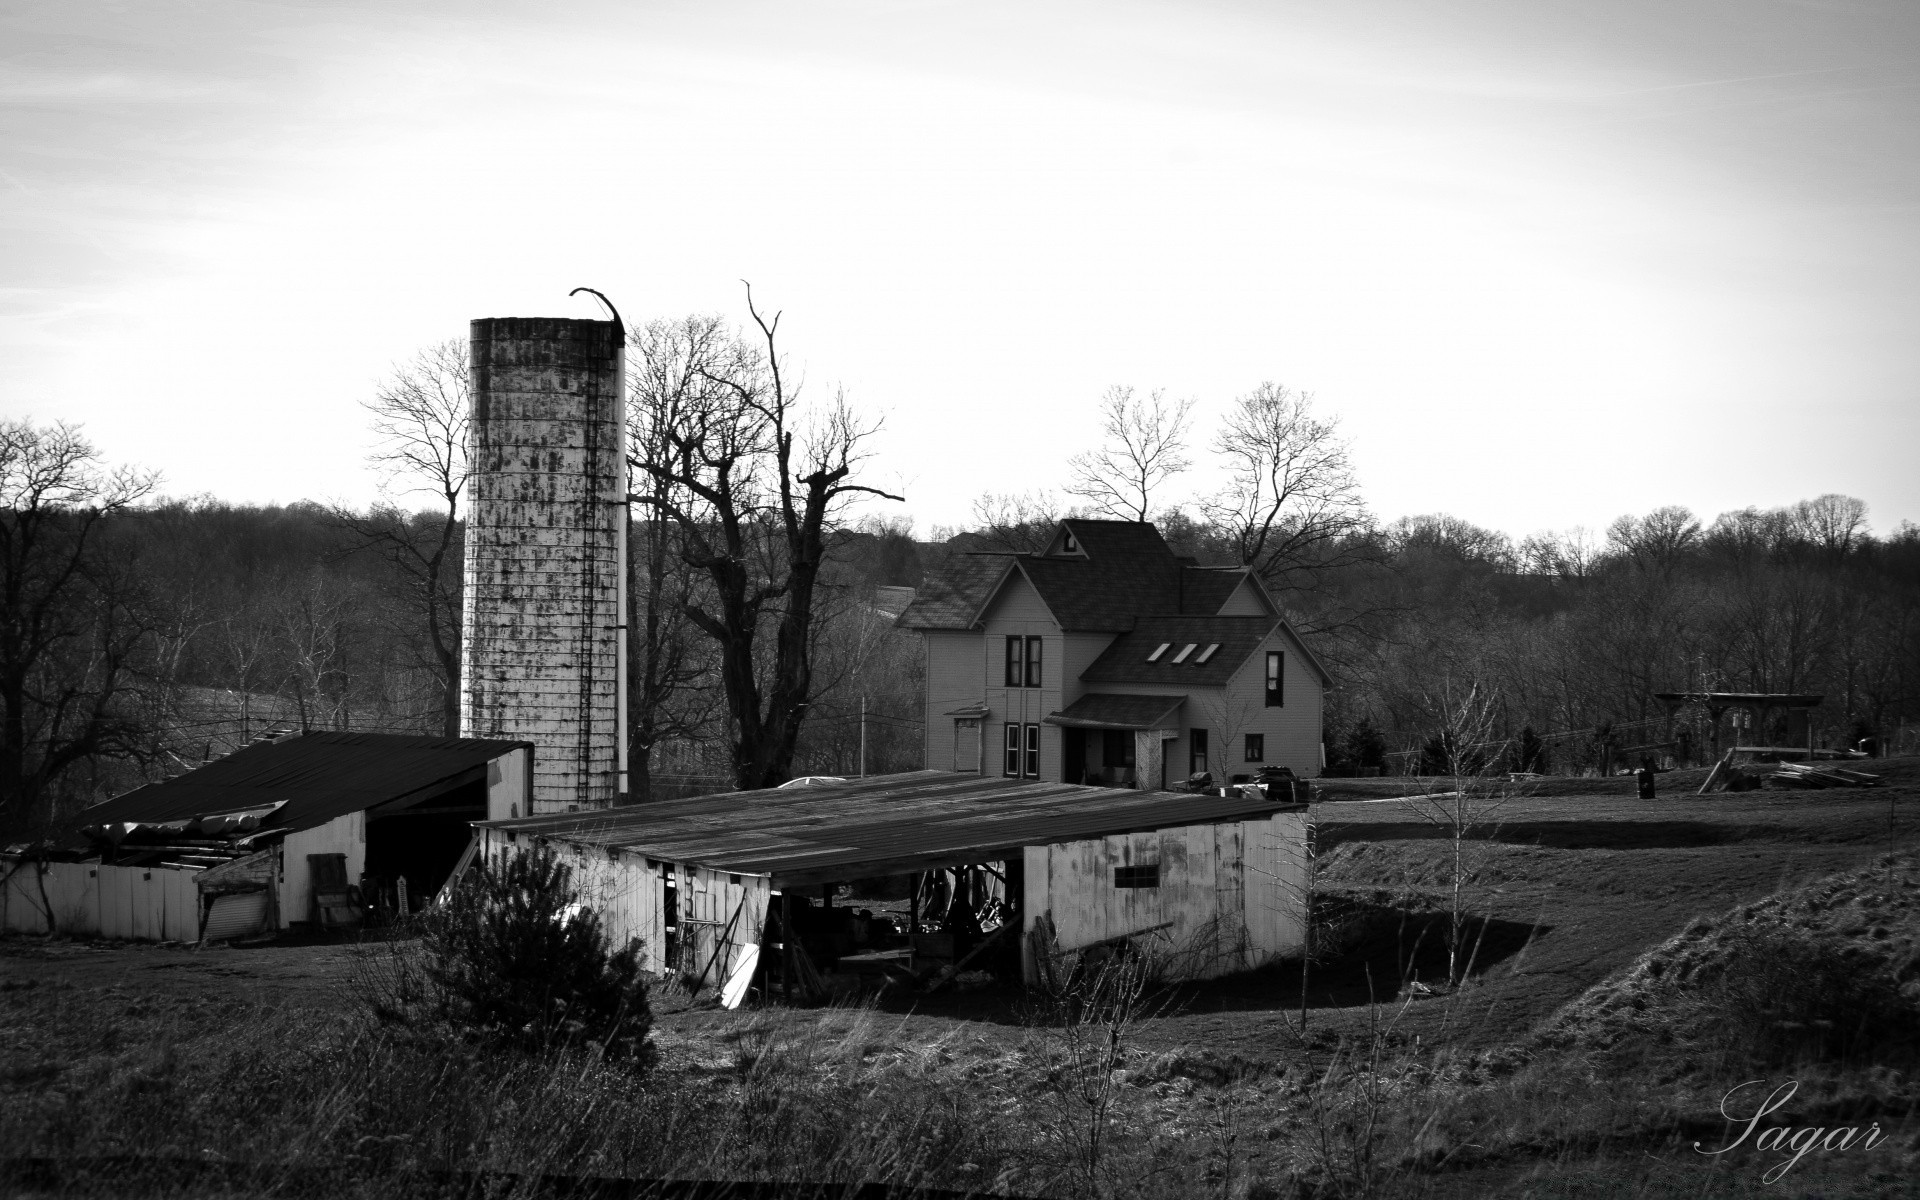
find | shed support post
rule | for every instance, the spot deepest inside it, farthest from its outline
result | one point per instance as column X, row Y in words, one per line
column 786, row 947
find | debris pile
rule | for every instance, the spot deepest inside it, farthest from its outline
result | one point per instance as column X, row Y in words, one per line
column 1801, row 775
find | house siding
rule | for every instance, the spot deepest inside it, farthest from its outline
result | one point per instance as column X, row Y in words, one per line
column 953, row 681
column 1245, row 602
column 1019, row 611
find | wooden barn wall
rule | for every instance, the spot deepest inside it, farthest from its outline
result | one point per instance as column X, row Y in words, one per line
column 1229, row 898
column 510, row 786
column 90, row 899
column 343, row 835
column 630, row 897
column 708, row 901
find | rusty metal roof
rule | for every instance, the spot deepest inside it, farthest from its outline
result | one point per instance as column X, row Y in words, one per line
column 880, row 825
column 320, row 776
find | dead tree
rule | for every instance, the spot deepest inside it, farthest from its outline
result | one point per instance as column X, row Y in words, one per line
column 752, row 487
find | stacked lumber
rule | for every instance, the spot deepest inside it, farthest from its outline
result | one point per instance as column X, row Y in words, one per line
column 1803, row 775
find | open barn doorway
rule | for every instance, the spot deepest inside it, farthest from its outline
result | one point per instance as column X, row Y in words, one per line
column 414, row 843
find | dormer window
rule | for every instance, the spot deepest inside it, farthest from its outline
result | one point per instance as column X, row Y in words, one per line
column 1158, row 651
column 1072, row 544
column 1207, row 653
column 1185, row 650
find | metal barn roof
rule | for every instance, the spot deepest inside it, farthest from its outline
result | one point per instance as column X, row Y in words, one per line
column 320, row 776
column 880, row 825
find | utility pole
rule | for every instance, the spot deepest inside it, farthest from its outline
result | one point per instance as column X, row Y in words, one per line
column 863, row 737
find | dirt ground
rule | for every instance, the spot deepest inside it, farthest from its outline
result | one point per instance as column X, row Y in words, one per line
column 1571, row 883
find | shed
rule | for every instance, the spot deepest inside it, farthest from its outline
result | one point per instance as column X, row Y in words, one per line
column 225, row 849
column 1217, row 881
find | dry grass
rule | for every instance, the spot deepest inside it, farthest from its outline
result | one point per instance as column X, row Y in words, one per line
column 1587, row 1054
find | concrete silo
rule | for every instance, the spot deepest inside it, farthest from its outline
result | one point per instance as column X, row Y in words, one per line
column 546, row 545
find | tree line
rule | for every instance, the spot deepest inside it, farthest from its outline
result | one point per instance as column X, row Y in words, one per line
column 141, row 635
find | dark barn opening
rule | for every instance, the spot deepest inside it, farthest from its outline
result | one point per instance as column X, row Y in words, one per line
column 420, row 838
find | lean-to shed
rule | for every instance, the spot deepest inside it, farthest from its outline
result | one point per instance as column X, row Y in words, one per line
column 1216, row 881
column 227, row 849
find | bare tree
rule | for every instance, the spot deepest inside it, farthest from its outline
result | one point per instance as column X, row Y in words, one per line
column 1144, row 448
column 1834, row 523
column 1472, row 760
column 667, row 696
column 1017, row 522
column 73, row 633
column 752, row 483
column 420, row 419
column 1291, row 495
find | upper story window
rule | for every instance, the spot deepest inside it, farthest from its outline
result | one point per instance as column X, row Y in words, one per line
column 1072, row 544
column 1023, row 661
column 1276, row 679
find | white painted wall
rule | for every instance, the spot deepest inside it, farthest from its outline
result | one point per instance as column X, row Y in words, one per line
column 343, row 835
column 89, row 899
column 509, row 786
column 1233, row 893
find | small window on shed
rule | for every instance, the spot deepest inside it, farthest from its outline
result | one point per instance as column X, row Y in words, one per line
column 1158, row 651
column 1137, row 877
column 1207, row 653
column 1185, row 650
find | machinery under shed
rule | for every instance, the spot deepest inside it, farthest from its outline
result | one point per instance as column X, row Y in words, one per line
column 1209, row 884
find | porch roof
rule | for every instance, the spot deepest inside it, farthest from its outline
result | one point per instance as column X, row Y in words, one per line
column 1118, row 710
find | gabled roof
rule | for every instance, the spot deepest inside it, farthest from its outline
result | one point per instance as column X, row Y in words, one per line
column 1114, row 710
column 954, row 598
column 1203, row 590
column 320, row 776
column 1125, row 661
column 1122, row 573
column 882, row 824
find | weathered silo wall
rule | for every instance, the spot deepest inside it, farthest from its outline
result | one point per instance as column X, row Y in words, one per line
column 546, row 552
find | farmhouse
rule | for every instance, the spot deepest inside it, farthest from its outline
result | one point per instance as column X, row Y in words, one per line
column 1212, row 883
column 311, row 827
column 1107, row 659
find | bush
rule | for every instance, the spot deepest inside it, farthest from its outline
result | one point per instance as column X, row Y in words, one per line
column 513, row 954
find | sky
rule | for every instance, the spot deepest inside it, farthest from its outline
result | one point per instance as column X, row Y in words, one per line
column 1548, row 263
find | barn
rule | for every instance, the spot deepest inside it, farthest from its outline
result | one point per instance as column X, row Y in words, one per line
column 1213, row 884
column 249, row 843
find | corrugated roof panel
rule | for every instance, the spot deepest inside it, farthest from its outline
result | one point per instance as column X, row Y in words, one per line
column 920, row 814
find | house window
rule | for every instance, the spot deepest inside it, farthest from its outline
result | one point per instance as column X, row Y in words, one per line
column 1023, row 752
column 1185, row 650
column 1137, row 877
column 1072, row 546
column 1207, row 653
column 1161, row 649
column 1276, row 679
column 1023, row 661
column 1196, row 751
column 1256, row 747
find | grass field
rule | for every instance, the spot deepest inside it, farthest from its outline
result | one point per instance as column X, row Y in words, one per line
column 1619, row 988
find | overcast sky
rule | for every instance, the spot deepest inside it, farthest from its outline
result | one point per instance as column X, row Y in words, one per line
column 1549, row 262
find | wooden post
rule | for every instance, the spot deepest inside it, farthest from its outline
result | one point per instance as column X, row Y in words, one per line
column 786, row 947
column 913, row 911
